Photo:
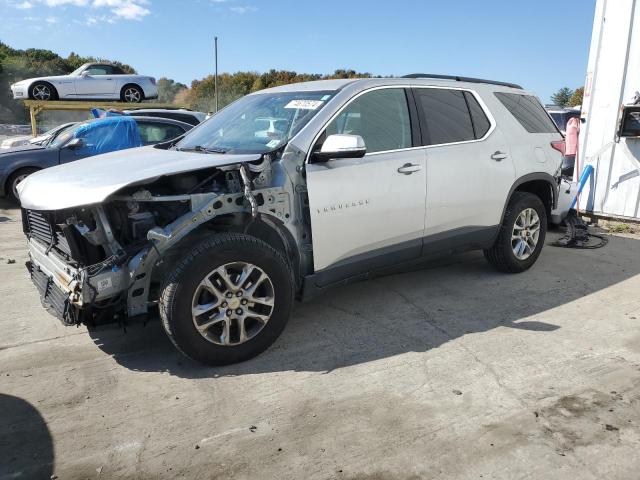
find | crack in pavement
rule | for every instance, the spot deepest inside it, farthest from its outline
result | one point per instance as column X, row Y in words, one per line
column 44, row 340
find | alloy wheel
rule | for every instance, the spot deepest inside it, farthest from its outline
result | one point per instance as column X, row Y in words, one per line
column 132, row 95
column 525, row 234
column 233, row 303
column 41, row 92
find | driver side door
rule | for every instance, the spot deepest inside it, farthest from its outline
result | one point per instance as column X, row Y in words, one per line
column 369, row 212
column 97, row 80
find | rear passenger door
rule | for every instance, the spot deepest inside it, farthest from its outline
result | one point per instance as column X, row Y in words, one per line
column 469, row 169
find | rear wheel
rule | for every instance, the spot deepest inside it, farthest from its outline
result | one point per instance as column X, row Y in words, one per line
column 131, row 94
column 521, row 235
column 227, row 300
column 14, row 181
column 43, row 91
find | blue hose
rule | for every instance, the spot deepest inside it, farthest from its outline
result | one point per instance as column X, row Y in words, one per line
column 586, row 173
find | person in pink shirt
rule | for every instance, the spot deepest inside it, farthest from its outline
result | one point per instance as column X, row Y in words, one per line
column 571, row 146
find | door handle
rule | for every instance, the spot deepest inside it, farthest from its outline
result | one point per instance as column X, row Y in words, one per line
column 409, row 168
column 499, row 156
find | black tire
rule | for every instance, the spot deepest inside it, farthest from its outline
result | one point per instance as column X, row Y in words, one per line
column 15, row 178
column 131, row 93
column 39, row 89
column 501, row 254
column 179, row 289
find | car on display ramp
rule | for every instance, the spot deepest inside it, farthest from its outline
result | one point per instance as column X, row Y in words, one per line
column 91, row 81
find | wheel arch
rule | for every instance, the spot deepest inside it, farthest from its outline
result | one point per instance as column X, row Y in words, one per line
column 541, row 184
column 14, row 172
column 35, row 82
column 265, row 227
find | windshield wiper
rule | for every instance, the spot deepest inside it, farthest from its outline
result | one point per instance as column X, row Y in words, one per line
column 200, row 148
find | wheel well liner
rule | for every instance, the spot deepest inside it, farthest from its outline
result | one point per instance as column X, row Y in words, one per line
column 540, row 184
column 264, row 227
column 7, row 183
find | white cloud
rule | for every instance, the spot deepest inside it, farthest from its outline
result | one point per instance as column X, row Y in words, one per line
column 130, row 11
column 242, row 10
column 51, row 20
column 119, row 9
column 58, row 3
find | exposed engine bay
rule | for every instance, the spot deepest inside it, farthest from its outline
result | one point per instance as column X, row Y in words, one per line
column 102, row 263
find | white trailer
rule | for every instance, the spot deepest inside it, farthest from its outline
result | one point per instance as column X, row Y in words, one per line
column 610, row 138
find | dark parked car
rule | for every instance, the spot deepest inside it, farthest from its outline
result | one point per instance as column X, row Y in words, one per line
column 83, row 140
column 181, row 114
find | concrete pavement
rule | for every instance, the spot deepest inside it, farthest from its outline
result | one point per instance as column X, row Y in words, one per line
column 450, row 371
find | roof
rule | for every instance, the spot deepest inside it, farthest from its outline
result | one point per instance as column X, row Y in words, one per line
column 313, row 86
column 435, row 80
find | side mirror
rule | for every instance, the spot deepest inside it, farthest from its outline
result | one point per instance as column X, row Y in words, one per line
column 341, row 146
column 84, row 74
column 74, row 144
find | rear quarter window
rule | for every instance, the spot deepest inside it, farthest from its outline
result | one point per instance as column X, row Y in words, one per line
column 528, row 111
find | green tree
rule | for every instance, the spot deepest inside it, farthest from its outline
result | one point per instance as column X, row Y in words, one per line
column 576, row 98
column 168, row 89
column 562, row 97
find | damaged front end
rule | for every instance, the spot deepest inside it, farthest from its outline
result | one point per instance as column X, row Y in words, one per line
column 104, row 262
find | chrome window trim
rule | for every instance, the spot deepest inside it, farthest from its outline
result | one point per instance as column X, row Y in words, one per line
column 478, row 98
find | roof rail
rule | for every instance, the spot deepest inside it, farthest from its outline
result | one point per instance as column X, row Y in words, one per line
column 462, row 79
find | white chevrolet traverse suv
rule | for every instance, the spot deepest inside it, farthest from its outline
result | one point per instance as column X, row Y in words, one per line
column 225, row 226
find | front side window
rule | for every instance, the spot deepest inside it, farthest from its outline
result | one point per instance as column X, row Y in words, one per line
column 258, row 123
column 380, row 117
column 528, row 111
column 99, row 70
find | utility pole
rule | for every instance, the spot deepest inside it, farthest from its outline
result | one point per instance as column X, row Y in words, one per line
column 215, row 78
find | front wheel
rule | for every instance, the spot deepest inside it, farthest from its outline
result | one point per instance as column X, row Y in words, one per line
column 14, row 181
column 43, row 91
column 521, row 235
column 228, row 299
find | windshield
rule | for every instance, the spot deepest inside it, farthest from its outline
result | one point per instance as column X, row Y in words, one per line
column 258, row 123
column 64, row 135
column 77, row 71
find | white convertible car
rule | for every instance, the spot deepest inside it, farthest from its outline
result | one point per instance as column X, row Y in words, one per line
column 91, row 81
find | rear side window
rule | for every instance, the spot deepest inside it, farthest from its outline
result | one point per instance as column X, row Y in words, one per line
column 528, row 111
column 481, row 124
column 445, row 114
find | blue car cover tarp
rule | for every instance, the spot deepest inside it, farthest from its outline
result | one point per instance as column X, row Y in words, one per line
column 108, row 135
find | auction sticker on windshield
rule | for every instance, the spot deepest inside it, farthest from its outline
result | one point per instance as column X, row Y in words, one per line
column 304, row 104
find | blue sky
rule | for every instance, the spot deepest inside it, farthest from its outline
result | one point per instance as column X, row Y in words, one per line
column 541, row 44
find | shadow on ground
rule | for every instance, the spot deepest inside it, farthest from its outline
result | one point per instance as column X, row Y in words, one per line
column 26, row 446
column 408, row 312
